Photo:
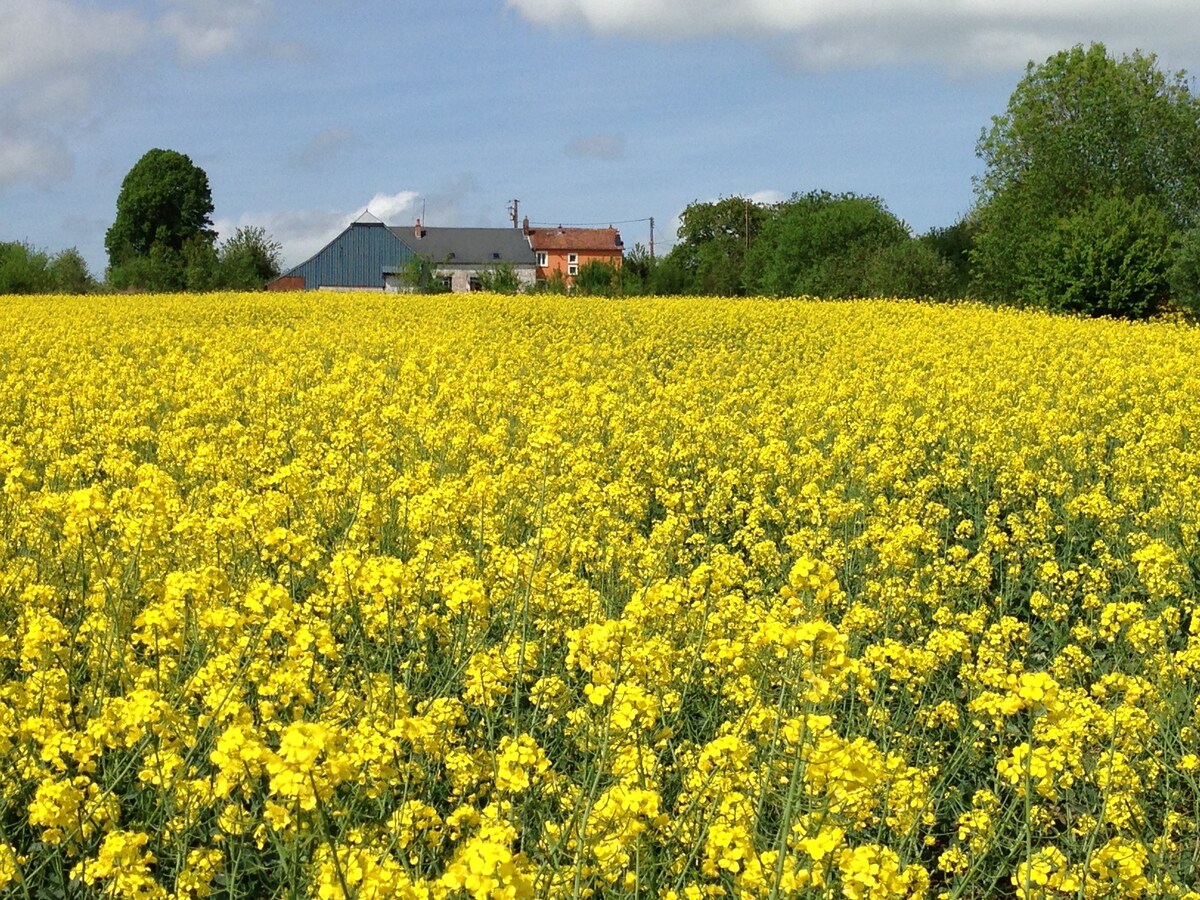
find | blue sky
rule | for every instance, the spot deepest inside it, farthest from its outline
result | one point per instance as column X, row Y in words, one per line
column 587, row 111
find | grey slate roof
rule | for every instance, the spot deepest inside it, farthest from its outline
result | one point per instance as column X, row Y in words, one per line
column 469, row 246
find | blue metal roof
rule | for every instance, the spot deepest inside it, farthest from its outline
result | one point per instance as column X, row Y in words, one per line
column 358, row 257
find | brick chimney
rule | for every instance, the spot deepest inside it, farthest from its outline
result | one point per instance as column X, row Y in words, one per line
column 418, row 231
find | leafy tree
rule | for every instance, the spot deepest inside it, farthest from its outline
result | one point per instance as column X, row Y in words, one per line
column 1107, row 258
column 820, row 244
column 714, row 239
column 165, row 203
column 69, row 273
column 248, row 259
column 1081, row 126
column 27, row 270
column 637, row 271
column 23, row 269
column 910, row 268
column 1184, row 274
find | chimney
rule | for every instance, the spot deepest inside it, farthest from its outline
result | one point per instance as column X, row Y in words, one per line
column 525, row 225
column 418, row 231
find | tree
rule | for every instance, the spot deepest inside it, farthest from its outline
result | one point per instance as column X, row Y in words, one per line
column 820, row 244
column 954, row 244
column 23, row 270
column 420, row 276
column 714, row 239
column 1184, row 275
column 69, row 273
column 27, row 270
column 1110, row 257
column 165, row 203
column 1081, row 126
column 909, row 268
column 248, row 259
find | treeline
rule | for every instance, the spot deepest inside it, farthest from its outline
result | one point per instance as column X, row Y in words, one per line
column 816, row 244
column 162, row 240
column 24, row 269
column 1089, row 203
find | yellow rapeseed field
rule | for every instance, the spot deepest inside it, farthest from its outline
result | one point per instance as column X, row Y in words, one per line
column 442, row 597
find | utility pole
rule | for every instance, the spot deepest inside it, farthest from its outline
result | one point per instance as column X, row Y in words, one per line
column 652, row 237
column 513, row 214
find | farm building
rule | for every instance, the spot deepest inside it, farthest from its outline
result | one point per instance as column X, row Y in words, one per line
column 461, row 255
column 370, row 255
column 561, row 251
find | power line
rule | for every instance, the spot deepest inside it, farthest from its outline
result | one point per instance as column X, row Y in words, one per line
column 588, row 224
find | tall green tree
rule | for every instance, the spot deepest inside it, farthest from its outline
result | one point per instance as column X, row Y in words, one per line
column 1080, row 127
column 164, row 211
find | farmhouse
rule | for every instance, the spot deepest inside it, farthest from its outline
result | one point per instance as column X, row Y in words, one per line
column 370, row 256
column 561, row 251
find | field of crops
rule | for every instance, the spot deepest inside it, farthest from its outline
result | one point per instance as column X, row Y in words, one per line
column 366, row 596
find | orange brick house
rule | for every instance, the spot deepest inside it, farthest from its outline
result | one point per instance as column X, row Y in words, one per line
column 563, row 250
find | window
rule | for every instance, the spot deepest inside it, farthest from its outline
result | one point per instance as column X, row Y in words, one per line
column 572, row 258
column 543, row 258
column 448, row 282
column 572, row 269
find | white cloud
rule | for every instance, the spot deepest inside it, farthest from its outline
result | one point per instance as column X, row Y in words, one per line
column 58, row 56
column 207, row 28
column 957, row 34
column 50, row 38
column 767, row 197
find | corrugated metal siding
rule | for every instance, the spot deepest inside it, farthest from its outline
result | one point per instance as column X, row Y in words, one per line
column 355, row 258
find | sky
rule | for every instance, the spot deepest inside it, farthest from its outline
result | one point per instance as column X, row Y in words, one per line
column 588, row 112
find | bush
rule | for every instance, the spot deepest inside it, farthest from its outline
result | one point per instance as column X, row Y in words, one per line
column 27, row 270
column 908, row 269
column 1109, row 258
column 598, row 277
column 501, row 278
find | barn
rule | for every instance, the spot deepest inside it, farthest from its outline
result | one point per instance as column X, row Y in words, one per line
column 370, row 255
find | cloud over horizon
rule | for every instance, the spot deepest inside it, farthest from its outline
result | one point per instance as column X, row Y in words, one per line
column 58, row 57
column 951, row 34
